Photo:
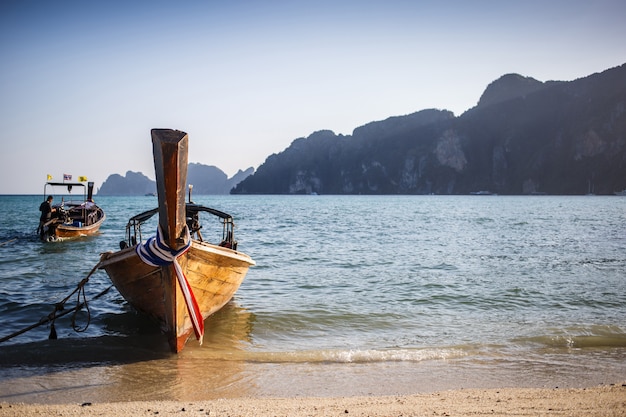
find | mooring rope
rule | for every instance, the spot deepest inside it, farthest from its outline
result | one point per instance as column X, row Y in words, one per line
column 8, row 241
column 156, row 252
column 59, row 310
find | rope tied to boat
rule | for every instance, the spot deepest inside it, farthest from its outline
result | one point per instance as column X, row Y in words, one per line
column 80, row 290
column 156, row 252
column 59, row 310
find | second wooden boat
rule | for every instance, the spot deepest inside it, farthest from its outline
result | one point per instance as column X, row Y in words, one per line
column 176, row 277
column 73, row 217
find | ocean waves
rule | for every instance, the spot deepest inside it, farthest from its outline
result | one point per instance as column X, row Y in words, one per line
column 362, row 278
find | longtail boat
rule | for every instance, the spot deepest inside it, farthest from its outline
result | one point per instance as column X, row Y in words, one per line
column 176, row 277
column 70, row 218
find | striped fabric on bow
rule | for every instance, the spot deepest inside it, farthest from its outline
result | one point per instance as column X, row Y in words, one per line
column 156, row 252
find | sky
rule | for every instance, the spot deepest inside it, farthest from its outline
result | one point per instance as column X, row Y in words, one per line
column 83, row 82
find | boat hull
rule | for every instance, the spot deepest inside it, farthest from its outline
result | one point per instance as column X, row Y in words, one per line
column 214, row 274
column 67, row 231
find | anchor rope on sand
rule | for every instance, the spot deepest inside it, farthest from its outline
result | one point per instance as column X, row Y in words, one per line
column 59, row 310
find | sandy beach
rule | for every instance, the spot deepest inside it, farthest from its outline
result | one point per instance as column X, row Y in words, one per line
column 606, row 401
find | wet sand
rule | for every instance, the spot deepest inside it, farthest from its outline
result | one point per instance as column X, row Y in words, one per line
column 606, row 400
column 193, row 384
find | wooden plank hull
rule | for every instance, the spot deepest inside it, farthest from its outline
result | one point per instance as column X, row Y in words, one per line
column 67, row 231
column 213, row 272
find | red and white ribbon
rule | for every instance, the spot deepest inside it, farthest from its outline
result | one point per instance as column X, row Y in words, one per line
column 156, row 252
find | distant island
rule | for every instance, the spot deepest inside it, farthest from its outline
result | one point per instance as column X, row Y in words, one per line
column 524, row 137
column 206, row 179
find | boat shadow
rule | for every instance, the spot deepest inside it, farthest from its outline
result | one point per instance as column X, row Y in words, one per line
column 122, row 367
column 132, row 338
column 83, row 352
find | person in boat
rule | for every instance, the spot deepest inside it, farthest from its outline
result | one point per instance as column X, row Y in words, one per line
column 46, row 214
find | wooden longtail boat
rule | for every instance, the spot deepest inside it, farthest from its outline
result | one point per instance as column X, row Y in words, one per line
column 176, row 277
column 72, row 218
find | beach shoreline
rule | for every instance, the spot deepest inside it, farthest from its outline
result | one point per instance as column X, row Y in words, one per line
column 604, row 400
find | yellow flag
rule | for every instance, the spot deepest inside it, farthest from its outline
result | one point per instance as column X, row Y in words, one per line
column 49, row 177
column 82, row 178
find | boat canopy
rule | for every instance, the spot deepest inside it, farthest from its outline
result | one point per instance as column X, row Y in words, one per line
column 87, row 189
column 62, row 184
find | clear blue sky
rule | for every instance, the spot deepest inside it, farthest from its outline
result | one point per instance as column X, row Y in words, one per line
column 83, row 82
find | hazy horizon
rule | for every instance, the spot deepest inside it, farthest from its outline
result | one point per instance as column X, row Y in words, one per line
column 82, row 84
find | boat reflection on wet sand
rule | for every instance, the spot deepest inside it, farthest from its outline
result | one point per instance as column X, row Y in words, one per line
column 134, row 367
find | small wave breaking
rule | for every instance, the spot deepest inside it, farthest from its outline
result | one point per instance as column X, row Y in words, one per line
column 343, row 356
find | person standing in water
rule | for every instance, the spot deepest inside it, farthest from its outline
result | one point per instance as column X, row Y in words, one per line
column 46, row 214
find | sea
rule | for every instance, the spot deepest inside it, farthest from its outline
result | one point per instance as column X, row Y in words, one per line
column 350, row 295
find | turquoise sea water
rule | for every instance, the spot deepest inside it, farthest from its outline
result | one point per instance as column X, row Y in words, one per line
column 396, row 294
